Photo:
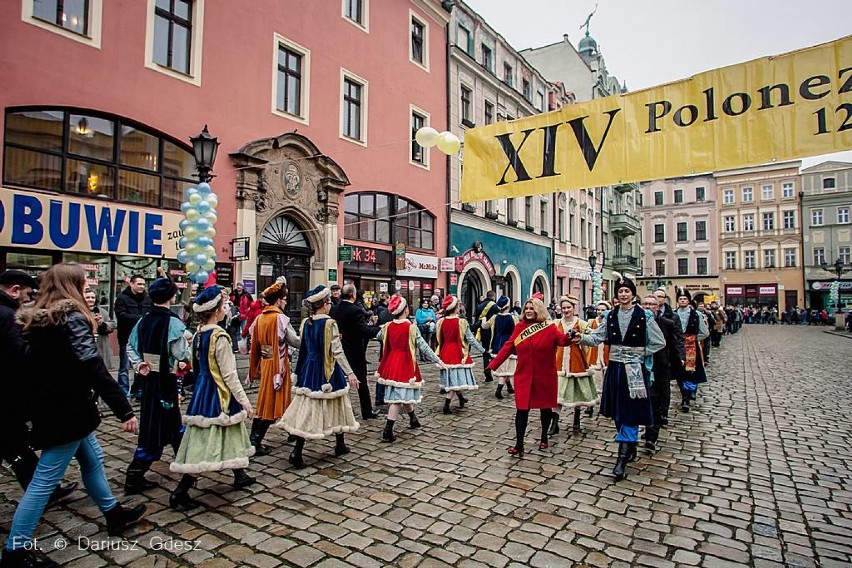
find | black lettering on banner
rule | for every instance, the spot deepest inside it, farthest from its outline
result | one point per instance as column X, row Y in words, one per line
column 807, row 86
column 766, row 96
column 693, row 115
column 590, row 153
column 653, row 117
column 846, row 124
column 512, row 154
column 728, row 107
column 822, row 118
column 710, row 97
column 847, row 86
column 548, row 158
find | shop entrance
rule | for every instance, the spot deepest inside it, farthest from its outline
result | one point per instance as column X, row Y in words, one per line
column 473, row 287
column 283, row 250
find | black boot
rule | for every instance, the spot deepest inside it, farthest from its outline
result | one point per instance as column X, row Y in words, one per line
column 340, row 447
column 590, row 411
column 295, row 457
column 180, row 498
column 242, row 479
column 387, row 433
column 23, row 558
column 462, row 399
column 499, row 392
column 651, row 435
column 447, row 406
column 136, row 482
column 413, row 422
column 554, row 425
column 258, row 431
column 119, row 519
column 509, row 388
column 632, row 455
column 684, row 406
column 577, row 428
column 619, row 471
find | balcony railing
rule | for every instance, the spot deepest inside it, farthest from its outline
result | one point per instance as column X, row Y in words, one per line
column 621, row 263
column 624, row 224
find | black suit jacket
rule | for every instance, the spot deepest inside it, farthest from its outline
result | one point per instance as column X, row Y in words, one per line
column 352, row 322
column 667, row 361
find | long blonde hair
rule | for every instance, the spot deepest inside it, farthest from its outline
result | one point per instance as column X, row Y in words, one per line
column 63, row 282
column 540, row 311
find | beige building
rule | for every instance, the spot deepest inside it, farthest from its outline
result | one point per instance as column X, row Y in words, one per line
column 681, row 235
column 760, row 239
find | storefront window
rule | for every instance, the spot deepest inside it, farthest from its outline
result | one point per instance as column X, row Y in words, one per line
column 32, row 264
column 32, row 169
column 98, row 274
column 376, row 217
column 91, row 137
column 87, row 178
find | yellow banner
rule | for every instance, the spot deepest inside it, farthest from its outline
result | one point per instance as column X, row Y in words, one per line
column 771, row 109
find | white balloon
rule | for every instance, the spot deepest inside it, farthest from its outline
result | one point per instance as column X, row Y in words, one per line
column 426, row 137
column 448, row 143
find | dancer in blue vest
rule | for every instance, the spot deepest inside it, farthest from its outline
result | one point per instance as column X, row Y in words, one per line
column 500, row 326
column 157, row 344
column 633, row 337
column 695, row 331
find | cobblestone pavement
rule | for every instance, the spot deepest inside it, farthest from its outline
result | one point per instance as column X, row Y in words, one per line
column 757, row 474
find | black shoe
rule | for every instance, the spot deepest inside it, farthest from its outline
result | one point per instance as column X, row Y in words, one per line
column 135, row 482
column 620, row 469
column 61, row 493
column 576, row 426
column 632, row 455
column 413, row 422
column 180, row 499
column 260, row 450
column 295, row 458
column 23, row 558
column 387, row 433
column 644, row 435
column 664, row 421
column 590, row 411
column 119, row 519
column 242, row 479
column 499, row 392
column 651, row 447
column 340, row 447
column 684, row 407
column 443, row 391
column 554, row 426
column 462, row 399
column 258, row 431
column 447, row 406
column 372, row 415
column 509, row 388
column 489, row 379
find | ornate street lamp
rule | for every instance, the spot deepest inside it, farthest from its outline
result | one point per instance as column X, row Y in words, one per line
column 593, row 260
column 839, row 270
column 204, row 147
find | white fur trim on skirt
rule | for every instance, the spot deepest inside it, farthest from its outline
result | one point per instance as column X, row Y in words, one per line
column 221, row 420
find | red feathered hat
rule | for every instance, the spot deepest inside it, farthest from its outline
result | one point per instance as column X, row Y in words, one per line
column 538, row 296
column 449, row 303
column 396, row 305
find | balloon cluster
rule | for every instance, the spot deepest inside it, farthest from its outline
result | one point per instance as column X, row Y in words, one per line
column 834, row 292
column 447, row 142
column 597, row 287
column 197, row 252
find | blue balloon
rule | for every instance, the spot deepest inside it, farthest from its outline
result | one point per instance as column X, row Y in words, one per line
column 202, row 224
column 200, row 259
column 203, row 241
column 182, row 242
column 189, row 192
column 203, row 207
column 182, row 256
column 200, row 276
column 204, row 189
column 186, row 205
column 184, row 223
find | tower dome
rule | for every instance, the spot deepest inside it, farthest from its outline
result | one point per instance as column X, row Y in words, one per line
column 588, row 46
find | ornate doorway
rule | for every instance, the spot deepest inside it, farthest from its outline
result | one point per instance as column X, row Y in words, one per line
column 283, row 250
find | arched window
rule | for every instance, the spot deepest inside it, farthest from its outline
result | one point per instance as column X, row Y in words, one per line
column 94, row 154
column 283, row 232
column 388, row 219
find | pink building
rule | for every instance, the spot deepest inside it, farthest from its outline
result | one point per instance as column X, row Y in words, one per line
column 681, row 235
column 314, row 106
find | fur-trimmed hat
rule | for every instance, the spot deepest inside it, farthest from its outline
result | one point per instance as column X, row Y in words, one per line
column 274, row 293
column 681, row 292
column 162, row 290
column 450, row 303
column 397, row 305
column 622, row 281
column 208, row 299
column 571, row 298
column 605, row 304
column 503, row 303
column 538, row 296
column 317, row 294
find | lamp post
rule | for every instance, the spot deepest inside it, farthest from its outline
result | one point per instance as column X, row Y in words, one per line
column 839, row 270
column 204, row 147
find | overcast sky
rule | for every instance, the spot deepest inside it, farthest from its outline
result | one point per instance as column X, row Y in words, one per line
column 650, row 42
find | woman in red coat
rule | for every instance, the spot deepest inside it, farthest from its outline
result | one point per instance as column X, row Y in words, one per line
column 534, row 341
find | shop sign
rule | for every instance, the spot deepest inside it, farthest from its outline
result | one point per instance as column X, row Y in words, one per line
column 225, row 274
column 767, row 290
column 579, row 274
column 447, row 264
column 734, row 290
column 177, row 272
column 383, row 286
column 332, row 275
column 419, row 266
column 249, row 286
column 240, row 248
column 399, row 251
column 454, row 279
column 266, row 270
column 473, row 255
column 53, row 222
column 344, row 254
column 825, row 285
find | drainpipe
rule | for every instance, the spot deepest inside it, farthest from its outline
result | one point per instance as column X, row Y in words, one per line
column 553, row 235
column 805, row 295
column 449, row 8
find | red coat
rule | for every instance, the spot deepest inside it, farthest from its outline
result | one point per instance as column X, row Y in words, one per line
column 255, row 310
column 535, row 373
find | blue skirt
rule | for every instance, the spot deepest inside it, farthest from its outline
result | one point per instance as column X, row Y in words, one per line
column 615, row 398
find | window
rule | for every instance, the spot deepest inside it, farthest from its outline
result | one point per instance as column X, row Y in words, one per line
column 787, row 189
column 417, row 41
column 749, row 259
column 748, row 194
column 816, row 217
column 789, row 258
column 730, row 260
column 571, row 221
column 700, row 194
column 353, row 112
column 384, row 218
column 682, row 266
column 418, row 121
column 173, row 34
column 767, row 192
column 659, row 233
column 748, row 222
column 71, row 15
column 843, row 215
column 728, row 196
column 527, row 89
column 539, row 100
column 561, row 221
column 730, row 224
column 658, row 198
column 819, row 256
column 528, row 213
column 491, row 209
column 678, row 196
column 96, row 156
column 489, row 112
column 789, row 219
column 844, row 254
column 465, row 106
column 464, row 40
column 354, row 10
column 828, row 183
column 768, row 221
column 289, row 96
column 542, row 211
column 660, row 267
column 681, row 232
column 508, row 75
column 701, row 265
column 511, row 214
column 769, row 258
column 487, row 58
column 701, row 230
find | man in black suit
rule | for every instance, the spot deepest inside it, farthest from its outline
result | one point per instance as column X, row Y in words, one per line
column 354, row 329
column 484, row 311
column 667, row 363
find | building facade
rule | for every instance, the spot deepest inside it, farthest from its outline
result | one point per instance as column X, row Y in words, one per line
column 826, row 204
column 314, row 112
column 760, row 251
column 679, row 226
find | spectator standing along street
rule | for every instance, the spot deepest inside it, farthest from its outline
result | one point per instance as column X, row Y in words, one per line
column 130, row 306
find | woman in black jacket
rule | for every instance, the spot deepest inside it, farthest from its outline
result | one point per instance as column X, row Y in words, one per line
column 64, row 369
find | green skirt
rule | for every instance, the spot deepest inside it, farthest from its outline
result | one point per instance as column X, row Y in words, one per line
column 213, row 448
column 577, row 391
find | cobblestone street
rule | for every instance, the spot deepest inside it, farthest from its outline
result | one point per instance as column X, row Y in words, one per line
column 757, row 474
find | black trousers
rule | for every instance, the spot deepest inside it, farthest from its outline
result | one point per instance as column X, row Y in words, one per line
column 364, row 393
column 661, row 396
column 16, row 451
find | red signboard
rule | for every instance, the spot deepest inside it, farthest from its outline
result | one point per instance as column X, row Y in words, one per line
column 472, row 255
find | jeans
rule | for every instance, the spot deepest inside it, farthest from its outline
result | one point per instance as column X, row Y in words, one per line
column 123, row 369
column 51, row 467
